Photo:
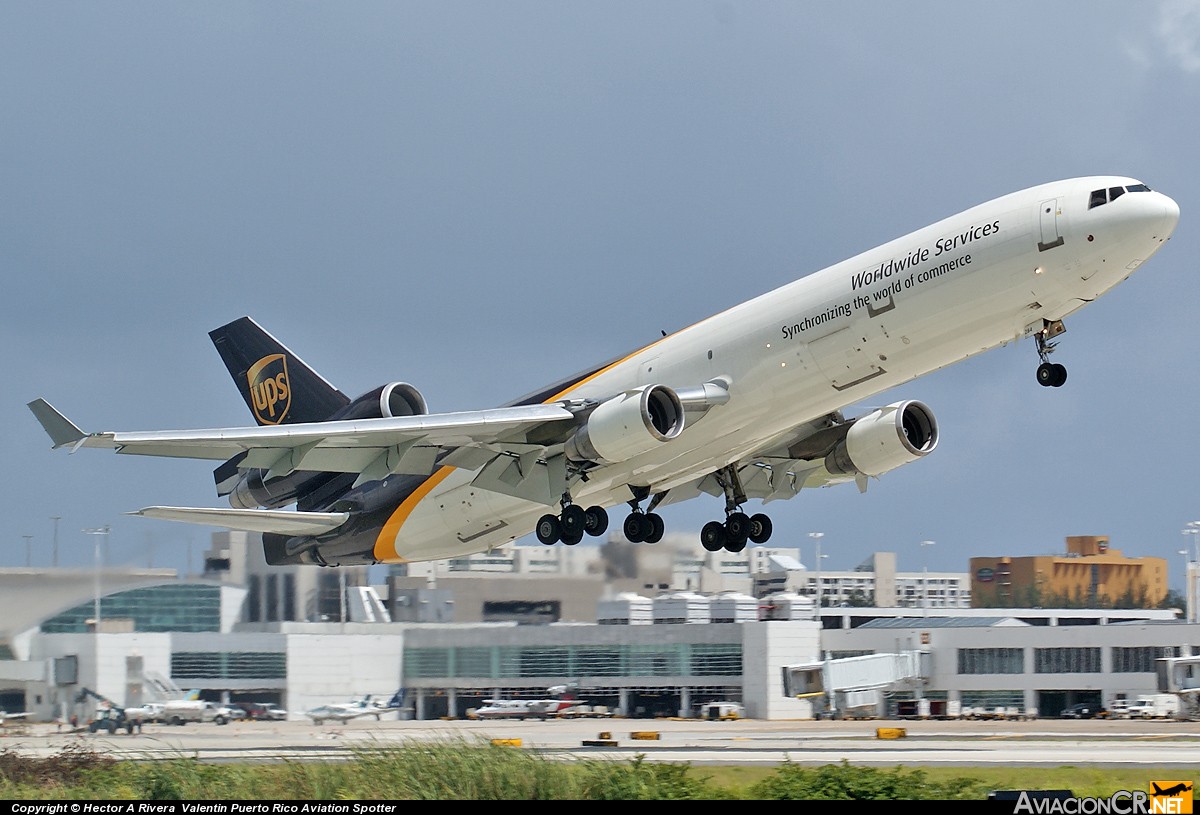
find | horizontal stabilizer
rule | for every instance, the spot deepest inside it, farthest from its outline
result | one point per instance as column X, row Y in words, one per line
column 62, row 431
column 280, row 521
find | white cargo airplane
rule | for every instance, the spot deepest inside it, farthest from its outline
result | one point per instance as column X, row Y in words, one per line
column 744, row 405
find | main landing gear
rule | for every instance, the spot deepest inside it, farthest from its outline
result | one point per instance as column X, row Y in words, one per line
column 1049, row 375
column 570, row 525
column 644, row 526
column 738, row 527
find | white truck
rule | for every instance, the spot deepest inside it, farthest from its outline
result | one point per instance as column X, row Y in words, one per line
column 1153, row 706
column 182, row 711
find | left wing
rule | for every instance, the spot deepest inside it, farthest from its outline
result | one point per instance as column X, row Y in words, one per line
column 388, row 445
column 279, row 521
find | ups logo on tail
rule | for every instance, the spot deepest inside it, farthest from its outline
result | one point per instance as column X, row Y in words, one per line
column 270, row 396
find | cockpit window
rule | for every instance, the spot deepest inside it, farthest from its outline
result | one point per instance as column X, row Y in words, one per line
column 1101, row 197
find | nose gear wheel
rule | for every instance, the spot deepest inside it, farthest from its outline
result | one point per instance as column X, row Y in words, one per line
column 1049, row 374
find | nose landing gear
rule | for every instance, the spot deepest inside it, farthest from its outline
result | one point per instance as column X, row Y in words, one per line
column 1049, row 374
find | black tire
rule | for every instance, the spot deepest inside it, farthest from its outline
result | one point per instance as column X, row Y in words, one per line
column 635, row 527
column 760, row 528
column 737, row 528
column 220, row 720
column 657, row 527
column 735, row 546
column 596, row 521
column 1045, row 375
column 573, row 520
column 176, row 721
column 93, row 727
column 712, row 536
column 548, row 529
column 571, row 540
column 1060, row 375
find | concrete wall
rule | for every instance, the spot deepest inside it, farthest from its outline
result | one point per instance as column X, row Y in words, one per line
column 766, row 648
column 330, row 667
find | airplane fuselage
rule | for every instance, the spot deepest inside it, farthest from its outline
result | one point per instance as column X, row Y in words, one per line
column 985, row 277
column 746, row 404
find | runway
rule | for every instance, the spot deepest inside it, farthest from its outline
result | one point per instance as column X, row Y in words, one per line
column 1162, row 744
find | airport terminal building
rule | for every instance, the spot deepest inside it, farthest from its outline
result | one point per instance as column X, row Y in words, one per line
column 659, row 640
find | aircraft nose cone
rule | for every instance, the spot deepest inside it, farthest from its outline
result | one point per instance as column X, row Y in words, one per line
column 1170, row 215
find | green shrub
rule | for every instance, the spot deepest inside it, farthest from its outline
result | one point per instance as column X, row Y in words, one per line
column 844, row 782
column 637, row 780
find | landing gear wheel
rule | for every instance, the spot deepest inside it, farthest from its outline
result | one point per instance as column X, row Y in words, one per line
column 657, row 527
column 548, row 530
column 636, row 527
column 760, row 528
column 735, row 546
column 1051, row 375
column 595, row 521
column 1045, row 374
column 713, row 537
column 737, row 527
column 573, row 520
column 571, row 540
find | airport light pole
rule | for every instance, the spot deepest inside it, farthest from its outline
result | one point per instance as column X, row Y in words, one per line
column 1189, row 574
column 54, row 546
column 28, row 550
column 817, row 537
column 97, row 533
column 1187, row 597
column 925, row 578
column 1193, row 529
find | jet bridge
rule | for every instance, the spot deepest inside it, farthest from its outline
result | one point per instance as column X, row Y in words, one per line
column 856, row 682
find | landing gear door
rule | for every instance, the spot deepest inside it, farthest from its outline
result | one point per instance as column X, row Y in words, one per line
column 1048, row 214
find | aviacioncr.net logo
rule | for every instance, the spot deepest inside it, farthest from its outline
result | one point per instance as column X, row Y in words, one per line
column 1163, row 798
column 270, row 395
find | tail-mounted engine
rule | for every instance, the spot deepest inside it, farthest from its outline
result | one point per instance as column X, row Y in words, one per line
column 884, row 439
column 628, row 425
column 384, row 402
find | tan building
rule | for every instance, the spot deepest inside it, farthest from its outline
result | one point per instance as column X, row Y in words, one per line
column 1090, row 574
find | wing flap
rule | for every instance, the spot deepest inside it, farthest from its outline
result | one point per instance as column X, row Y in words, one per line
column 279, row 521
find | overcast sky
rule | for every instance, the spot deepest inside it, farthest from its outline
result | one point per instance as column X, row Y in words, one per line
column 480, row 197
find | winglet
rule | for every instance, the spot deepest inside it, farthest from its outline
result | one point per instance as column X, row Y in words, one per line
column 62, row 431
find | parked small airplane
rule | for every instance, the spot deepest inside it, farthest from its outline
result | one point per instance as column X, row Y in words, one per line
column 355, row 709
column 6, row 717
column 522, row 708
column 563, row 699
column 747, row 404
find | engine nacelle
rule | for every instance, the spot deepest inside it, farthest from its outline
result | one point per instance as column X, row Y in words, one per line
column 628, row 425
column 884, row 439
column 384, row 402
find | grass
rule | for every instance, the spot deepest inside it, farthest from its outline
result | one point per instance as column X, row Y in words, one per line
column 460, row 769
